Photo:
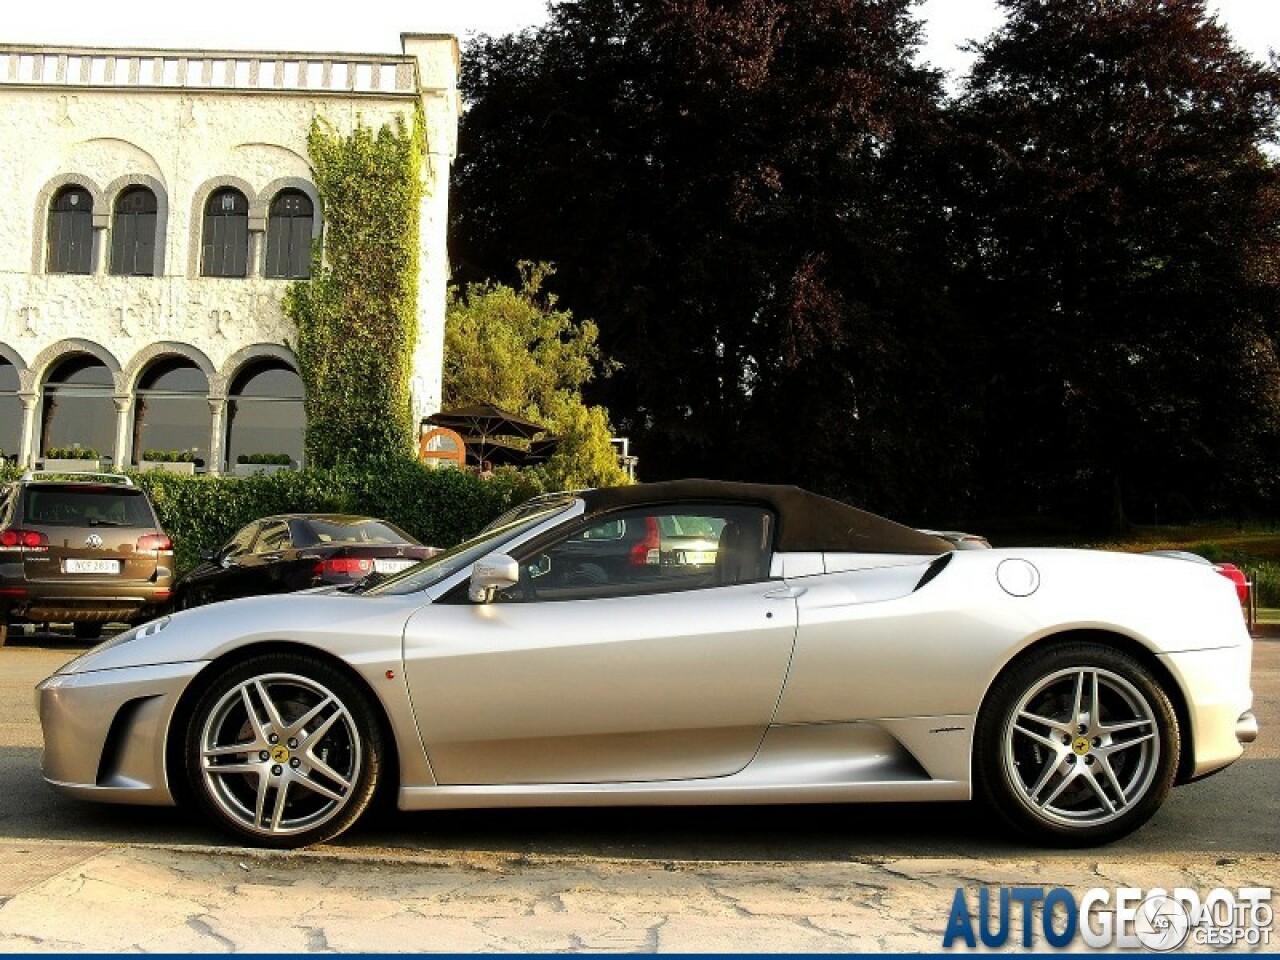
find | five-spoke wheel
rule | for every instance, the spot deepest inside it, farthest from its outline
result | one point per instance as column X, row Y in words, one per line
column 1076, row 744
column 283, row 750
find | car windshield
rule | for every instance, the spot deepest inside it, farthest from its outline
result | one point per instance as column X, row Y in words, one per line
column 446, row 564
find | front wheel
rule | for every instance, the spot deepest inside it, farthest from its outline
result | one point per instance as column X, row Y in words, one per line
column 1076, row 745
column 283, row 751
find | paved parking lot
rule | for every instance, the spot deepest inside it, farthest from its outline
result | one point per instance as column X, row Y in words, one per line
column 75, row 876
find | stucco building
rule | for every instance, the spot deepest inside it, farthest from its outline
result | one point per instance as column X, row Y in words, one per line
column 154, row 205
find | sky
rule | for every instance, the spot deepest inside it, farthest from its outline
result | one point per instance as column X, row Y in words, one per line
column 376, row 25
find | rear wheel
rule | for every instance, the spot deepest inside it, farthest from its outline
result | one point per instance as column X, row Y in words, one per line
column 1076, row 745
column 283, row 751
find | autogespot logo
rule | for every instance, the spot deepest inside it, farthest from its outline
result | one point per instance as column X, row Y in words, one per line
column 1126, row 917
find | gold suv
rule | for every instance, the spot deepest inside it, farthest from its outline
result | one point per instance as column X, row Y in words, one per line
column 87, row 551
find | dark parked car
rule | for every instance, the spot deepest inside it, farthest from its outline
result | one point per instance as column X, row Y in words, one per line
column 86, row 552
column 293, row 552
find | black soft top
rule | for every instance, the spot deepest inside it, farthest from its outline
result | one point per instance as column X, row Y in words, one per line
column 807, row 522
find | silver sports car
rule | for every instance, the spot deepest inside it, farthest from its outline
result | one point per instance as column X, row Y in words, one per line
column 577, row 654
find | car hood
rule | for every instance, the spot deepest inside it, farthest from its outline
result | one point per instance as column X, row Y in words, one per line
column 333, row 622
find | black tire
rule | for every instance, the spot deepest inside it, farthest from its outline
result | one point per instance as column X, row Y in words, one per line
column 309, row 784
column 87, row 631
column 1093, row 752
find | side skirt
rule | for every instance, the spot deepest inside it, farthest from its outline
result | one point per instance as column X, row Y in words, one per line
column 797, row 763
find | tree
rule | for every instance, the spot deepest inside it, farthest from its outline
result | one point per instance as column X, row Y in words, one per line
column 743, row 194
column 357, row 315
column 1118, row 226
column 514, row 348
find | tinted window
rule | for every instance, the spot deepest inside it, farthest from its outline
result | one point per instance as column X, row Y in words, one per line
column 275, row 536
column 69, row 506
column 241, row 542
column 354, row 531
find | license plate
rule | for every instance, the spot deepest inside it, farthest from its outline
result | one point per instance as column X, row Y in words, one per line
column 697, row 558
column 392, row 566
column 90, row 566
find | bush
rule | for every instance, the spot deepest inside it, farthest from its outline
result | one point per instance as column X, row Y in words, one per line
column 439, row 507
column 72, row 453
column 275, row 459
column 169, row 456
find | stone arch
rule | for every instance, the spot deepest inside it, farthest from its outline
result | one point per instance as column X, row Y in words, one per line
column 201, row 196
column 50, row 355
column 143, row 358
column 255, row 351
column 13, row 357
column 157, row 187
column 39, row 240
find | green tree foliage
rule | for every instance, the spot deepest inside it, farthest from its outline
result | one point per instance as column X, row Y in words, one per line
column 357, row 315
column 515, row 348
column 1117, row 234
column 742, row 194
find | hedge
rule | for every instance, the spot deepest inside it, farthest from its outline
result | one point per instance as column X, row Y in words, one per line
column 439, row 507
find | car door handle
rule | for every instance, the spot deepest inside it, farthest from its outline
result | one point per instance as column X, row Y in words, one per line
column 786, row 593
column 269, row 557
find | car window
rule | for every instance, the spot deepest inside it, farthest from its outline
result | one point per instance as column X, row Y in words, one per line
column 274, row 538
column 241, row 542
column 445, row 564
column 355, row 530
column 648, row 550
column 73, row 506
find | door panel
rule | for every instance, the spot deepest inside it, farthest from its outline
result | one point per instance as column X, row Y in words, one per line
column 659, row 687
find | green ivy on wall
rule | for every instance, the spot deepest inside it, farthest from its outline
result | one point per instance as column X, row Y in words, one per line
column 357, row 316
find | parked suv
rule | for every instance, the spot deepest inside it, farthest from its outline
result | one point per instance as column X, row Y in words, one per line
column 86, row 552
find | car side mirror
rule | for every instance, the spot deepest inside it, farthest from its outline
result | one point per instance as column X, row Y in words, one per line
column 209, row 556
column 490, row 574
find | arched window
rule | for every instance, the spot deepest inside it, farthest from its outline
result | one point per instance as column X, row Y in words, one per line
column 289, row 235
column 171, row 409
column 71, row 231
column 78, row 409
column 264, row 411
column 10, row 410
column 133, row 234
column 226, row 234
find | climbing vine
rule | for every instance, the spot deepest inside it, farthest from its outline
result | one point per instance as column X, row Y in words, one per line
column 357, row 315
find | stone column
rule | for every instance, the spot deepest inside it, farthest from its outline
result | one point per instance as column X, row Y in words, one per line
column 124, row 408
column 27, row 435
column 257, row 245
column 98, row 255
column 217, row 411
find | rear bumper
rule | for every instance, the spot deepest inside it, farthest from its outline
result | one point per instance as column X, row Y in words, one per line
column 1219, row 701
column 80, row 602
column 105, row 731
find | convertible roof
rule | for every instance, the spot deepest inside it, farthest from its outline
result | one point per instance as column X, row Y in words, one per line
column 806, row 521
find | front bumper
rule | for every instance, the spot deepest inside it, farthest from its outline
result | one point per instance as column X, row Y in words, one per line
column 105, row 731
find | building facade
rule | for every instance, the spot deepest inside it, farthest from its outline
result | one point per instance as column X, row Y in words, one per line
column 154, row 206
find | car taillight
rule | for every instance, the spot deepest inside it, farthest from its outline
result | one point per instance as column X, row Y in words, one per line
column 1236, row 576
column 25, row 539
column 154, row 543
column 649, row 550
column 343, row 567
